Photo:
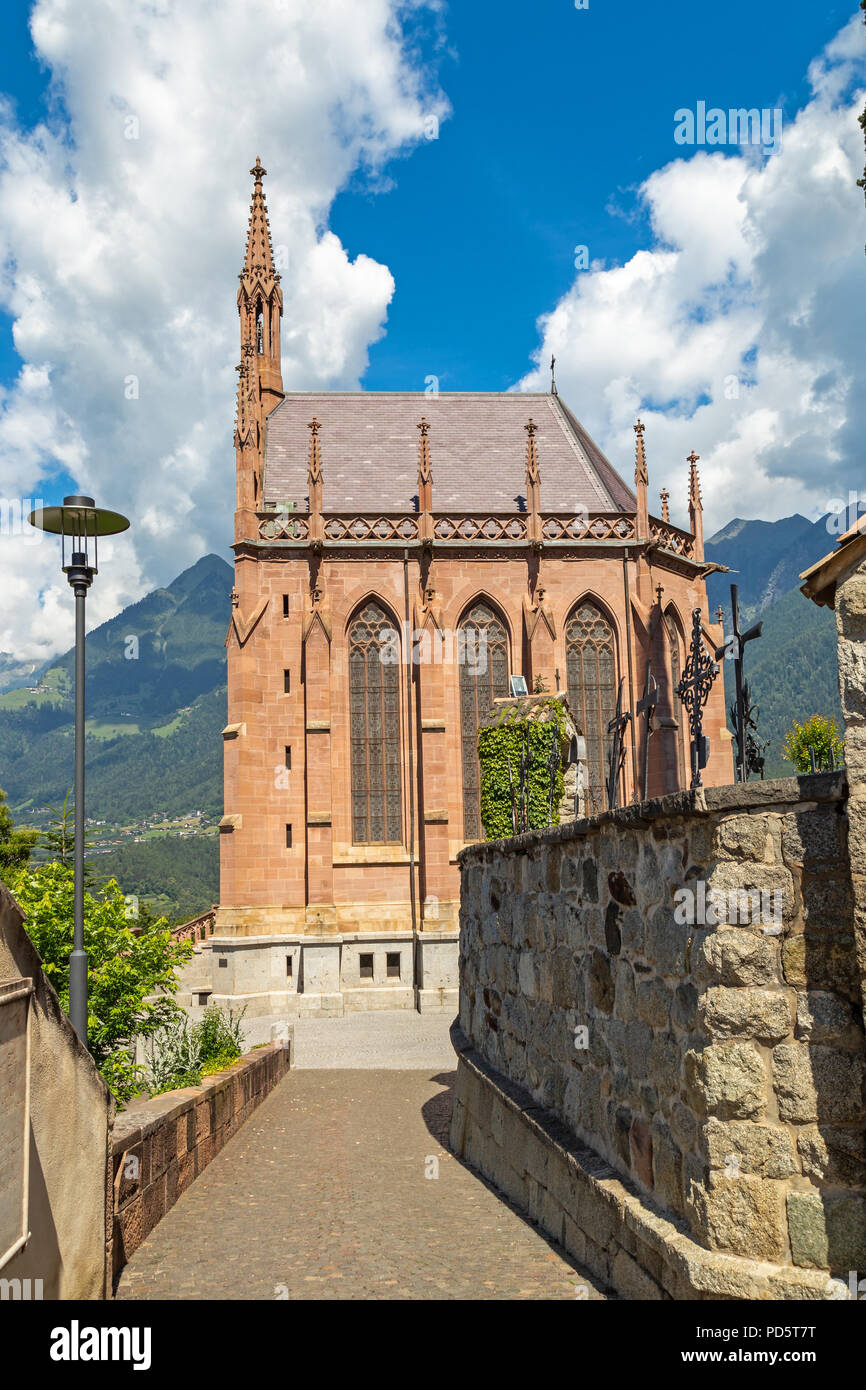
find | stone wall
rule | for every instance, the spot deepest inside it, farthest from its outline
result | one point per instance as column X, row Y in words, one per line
column 161, row 1145
column 717, row 1068
column 851, row 655
column 53, row 1100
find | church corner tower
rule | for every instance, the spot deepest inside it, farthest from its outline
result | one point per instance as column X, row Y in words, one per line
column 260, row 383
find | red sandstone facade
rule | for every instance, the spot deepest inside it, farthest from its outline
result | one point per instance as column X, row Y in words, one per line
column 348, row 793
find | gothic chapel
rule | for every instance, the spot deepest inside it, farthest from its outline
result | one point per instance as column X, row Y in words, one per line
column 351, row 782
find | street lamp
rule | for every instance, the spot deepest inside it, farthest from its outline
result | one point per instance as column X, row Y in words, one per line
column 78, row 521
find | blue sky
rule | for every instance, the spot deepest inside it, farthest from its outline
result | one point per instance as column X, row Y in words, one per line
column 722, row 301
column 557, row 116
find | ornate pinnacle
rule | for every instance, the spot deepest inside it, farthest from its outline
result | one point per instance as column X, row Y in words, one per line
column 665, row 497
column 425, row 471
column 532, row 475
column 259, row 259
column 694, row 479
column 640, row 468
column 314, row 467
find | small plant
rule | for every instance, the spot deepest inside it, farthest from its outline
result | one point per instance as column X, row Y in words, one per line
column 821, row 735
column 181, row 1053
column 173, row 1057
column 220, row 1035
column 218, row 1064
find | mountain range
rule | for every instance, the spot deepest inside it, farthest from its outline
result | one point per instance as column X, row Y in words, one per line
column 156, row 703
column 791, row 669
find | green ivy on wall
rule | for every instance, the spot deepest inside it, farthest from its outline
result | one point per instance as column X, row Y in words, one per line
column 503, row 740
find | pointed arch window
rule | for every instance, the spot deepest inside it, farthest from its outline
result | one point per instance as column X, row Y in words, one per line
column 374, row 684
column 675, row 648
column 591, row 675
column 483, row 678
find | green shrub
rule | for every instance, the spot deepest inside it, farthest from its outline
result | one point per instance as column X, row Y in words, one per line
column 181, row 1053
column 220, row 1034
column 818, row 733
column 130, row 975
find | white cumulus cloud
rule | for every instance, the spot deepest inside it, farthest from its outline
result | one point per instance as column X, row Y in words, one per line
column 739, row 330
column 122, row 227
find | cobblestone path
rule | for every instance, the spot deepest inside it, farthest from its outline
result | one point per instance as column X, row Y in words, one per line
column 323, row 1194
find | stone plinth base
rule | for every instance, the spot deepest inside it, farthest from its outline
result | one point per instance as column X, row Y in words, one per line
column 291, row 976
column 437, row 1001
column 575, row 1197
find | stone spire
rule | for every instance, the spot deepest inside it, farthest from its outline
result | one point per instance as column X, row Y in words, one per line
column 259, row 259
column 696, row 510
column 533, row 486
column 641, row 481
column 425, row 484
column 314, row 485
column 260, row 299
column 665, row 500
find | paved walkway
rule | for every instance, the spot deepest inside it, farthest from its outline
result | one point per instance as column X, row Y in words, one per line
column 398, row 1039
column 324, row 1194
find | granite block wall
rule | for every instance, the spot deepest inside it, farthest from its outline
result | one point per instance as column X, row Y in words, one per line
column 677, row 984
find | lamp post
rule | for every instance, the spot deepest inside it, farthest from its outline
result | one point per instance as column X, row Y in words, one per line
column 78, row 520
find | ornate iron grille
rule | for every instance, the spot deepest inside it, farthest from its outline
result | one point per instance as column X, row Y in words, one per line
column 676, row 704
column 481, row 681
column 375, row 710
column 591, row 676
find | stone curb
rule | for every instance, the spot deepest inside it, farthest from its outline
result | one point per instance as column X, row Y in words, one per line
column 579, row 1200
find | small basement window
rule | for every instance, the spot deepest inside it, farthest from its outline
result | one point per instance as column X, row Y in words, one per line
column 288, row 757
column 287, row 682
column 289, row 966
column 288, row 837
column 393, row 964
column 223, row 963
column 285, row 605
column 366, row 967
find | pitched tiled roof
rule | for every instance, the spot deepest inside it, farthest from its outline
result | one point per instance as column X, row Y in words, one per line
column 369, row 444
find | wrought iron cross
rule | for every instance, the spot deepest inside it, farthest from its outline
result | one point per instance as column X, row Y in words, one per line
column 617, row 728
column 732, row 650
column 646, row 706
column 754, row 746
column 694, row 691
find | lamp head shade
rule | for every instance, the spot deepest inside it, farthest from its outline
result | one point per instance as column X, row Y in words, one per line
column 78, row 520
column 78, row 516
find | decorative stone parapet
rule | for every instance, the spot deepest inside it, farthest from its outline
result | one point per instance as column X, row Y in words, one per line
column 161, row 1145
column 716, row 1065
